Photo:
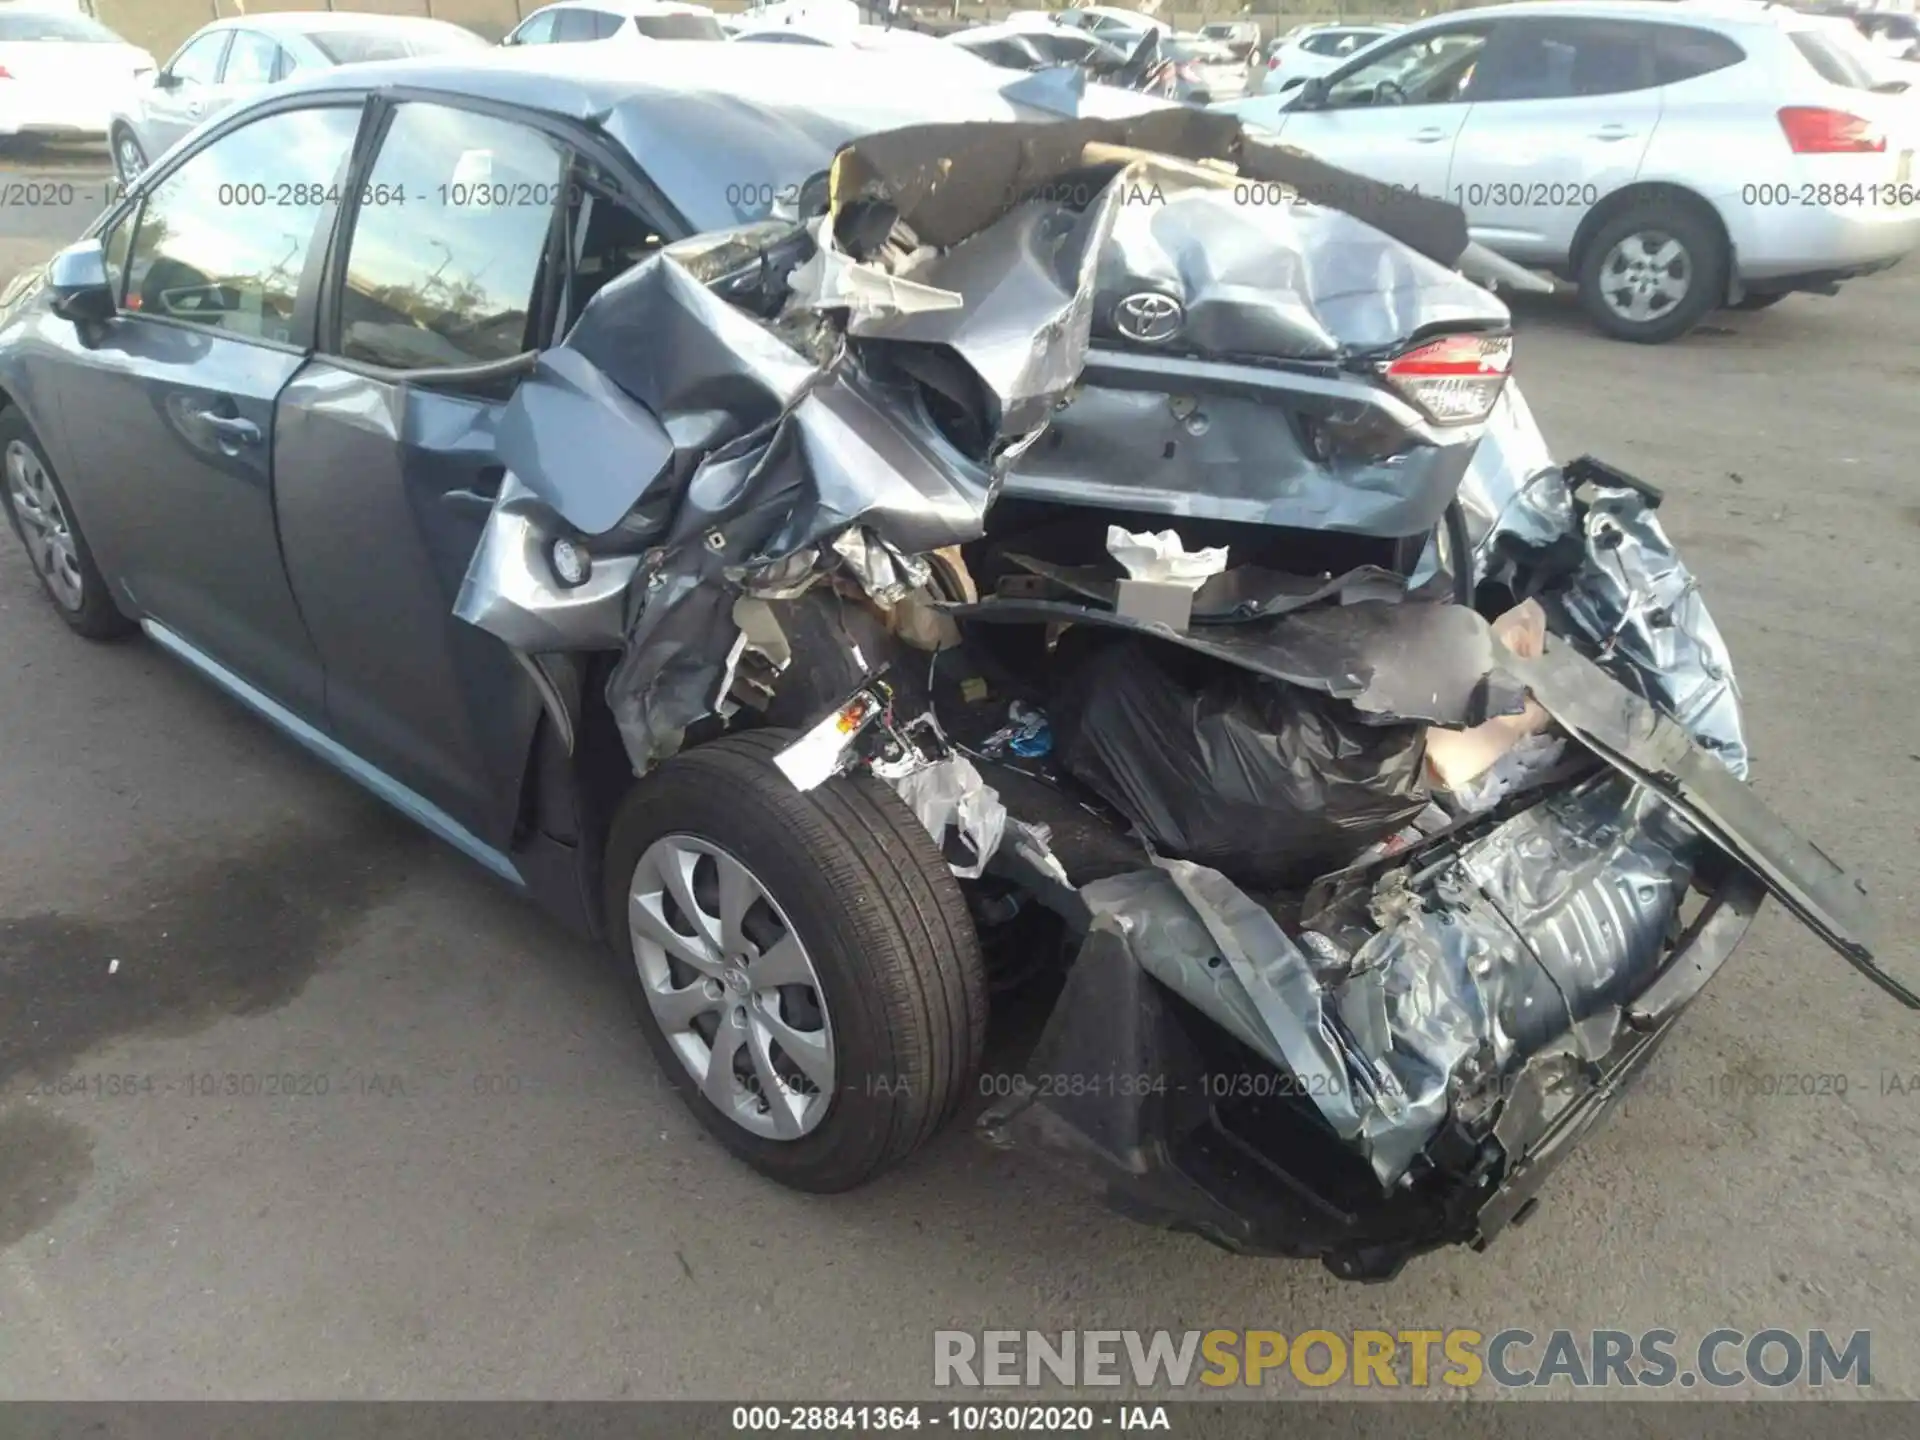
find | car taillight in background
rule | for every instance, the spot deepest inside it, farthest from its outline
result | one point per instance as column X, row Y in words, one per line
column 1455, row 379
column 1816, row 130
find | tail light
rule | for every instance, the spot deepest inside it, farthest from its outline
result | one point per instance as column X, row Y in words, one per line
column 1455, row 379
column 5, row 74
column 1816, row 130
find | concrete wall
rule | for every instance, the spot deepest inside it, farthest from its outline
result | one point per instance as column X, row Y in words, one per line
column 160, row 25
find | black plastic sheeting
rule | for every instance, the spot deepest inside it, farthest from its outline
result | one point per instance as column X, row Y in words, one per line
column 1263, row 781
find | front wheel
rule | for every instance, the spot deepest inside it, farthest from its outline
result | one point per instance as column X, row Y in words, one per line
column 38, row 510
column 128, row 158
column 1652, row 273
column 803, row 964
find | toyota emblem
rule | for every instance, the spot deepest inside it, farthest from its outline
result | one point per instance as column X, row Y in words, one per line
column 1149, row 317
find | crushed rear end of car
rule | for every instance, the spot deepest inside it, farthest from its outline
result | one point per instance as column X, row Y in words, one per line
column 1367, row 788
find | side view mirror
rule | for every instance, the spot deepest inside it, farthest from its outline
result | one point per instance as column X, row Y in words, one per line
column 78, row 281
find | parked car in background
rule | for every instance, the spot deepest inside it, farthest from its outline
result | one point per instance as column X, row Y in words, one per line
column 1240, row 36
column 230, row 60
column 1021, row 47
column 1203, row 71
column 62, row 75
column 1107, row 22
column 931, row 51
column 1669, row 157
column 1316, row 50
column 619, row 22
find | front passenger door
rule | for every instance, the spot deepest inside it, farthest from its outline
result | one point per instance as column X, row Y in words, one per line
column 168, row 407
column 387, row 470
column 1394, row 115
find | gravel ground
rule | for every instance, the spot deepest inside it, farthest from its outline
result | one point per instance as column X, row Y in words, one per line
column 498, row 1196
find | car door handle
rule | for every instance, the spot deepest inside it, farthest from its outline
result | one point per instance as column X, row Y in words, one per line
column 1429, row 135
column 230, row 428
column 1614, row 132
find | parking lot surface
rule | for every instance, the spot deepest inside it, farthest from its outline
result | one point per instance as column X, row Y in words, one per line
column 345, row 1118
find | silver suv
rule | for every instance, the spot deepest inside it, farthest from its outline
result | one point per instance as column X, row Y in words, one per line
column 1670, row 157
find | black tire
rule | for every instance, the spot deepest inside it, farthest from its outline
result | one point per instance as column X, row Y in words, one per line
column 123, row 139
column 1705, row 258
column 96, row 617
column 881, row 914
column 1750, row 301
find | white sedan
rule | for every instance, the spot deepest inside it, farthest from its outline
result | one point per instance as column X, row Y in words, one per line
column 63, row 74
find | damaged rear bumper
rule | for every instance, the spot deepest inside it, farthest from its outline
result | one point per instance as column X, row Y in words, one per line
column 1141, row 1096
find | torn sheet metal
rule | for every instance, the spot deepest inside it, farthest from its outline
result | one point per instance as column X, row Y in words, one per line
column 1411, row 661
column 1546, row 926
column 1634, row 737
column 1606, row 565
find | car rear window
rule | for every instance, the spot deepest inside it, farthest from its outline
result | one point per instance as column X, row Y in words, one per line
column 26, row 26
column 1830, row 61
column 1681, row 53
column 679, row 27
column 354, row 47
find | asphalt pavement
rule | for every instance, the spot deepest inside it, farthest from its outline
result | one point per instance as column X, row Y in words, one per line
column 474, row 1183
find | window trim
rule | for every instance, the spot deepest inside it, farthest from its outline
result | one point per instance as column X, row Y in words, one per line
column 133, row 204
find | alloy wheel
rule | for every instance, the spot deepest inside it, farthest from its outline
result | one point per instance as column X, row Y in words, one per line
column 1645, row 276
column 44, row 525
column 128, row 158
column 732, row 986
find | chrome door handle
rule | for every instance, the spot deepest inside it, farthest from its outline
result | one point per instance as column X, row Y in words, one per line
column 231, row 429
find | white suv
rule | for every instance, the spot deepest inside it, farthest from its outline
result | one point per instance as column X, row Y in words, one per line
column 1670, row 157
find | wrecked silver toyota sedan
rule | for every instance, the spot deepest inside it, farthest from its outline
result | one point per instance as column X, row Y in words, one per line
column 980, row 558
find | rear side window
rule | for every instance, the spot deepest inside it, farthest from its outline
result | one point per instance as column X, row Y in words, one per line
column 1831, row 63
column 1682, row 53
column 572, row 27
column 1563, row 59
column 451, row 231
column 679, row 27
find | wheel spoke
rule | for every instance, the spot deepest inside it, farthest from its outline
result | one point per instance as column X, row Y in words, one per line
column 784, row 963
column 676, row 869
column 1668, row 252
column 717, row 1086
column 647, row 917
column 780, row 1099
column 737, row 894
column 678, row 1008
column 808, row 1049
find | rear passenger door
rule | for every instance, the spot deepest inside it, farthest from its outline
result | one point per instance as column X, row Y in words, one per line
column 1561, row 112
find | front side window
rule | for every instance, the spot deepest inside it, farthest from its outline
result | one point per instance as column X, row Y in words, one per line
column 452, row 227
column 198, row 63
column 220, row 246
column 250, row 59
column 538, row 30
column 1419, row 70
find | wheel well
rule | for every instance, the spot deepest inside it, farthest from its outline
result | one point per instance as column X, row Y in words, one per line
column 1651, row 193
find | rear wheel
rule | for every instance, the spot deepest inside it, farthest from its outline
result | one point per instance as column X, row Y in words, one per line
column 1653, row 272
column 803, row 964
column 38, row 510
